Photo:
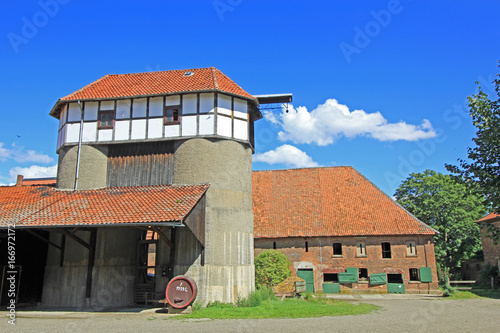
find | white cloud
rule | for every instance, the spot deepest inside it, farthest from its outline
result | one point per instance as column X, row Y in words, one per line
column 20, row 155
column 288, row 155
column 34, row 171
column 4, row 152
column 331, row 120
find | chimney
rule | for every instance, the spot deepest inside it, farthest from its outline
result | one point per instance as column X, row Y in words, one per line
column 20, row 179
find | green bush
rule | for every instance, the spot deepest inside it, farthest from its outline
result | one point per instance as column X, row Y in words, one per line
column 489, row 271
column 271, row 268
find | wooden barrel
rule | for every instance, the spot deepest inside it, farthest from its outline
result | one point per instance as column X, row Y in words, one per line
column 181, row 291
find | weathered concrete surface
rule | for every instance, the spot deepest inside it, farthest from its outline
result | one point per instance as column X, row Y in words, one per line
column 93, row 167
column 227, row 271
column 113, row 274
column 410, row 313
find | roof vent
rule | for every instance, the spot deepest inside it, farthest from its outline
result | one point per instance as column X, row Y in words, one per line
column 188, row 74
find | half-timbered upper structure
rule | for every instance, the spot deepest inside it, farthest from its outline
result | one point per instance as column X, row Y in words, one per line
column 123, row 140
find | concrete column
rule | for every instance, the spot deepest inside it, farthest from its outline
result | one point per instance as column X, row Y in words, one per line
column 93, row 167
column 228, row 270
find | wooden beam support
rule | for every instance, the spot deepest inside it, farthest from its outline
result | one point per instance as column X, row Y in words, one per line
column 75, row 238
column 163, row 237
column 90, row 267
column 44, row 239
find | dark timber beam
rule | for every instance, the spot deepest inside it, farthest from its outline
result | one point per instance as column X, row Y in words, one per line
column 90, row 267
column 163, row 237
column 76, row 238
column 44, row 239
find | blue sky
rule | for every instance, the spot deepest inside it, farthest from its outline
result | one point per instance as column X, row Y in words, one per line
column 378, row 85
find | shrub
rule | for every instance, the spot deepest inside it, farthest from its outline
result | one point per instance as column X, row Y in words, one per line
column 489, row 271
column 271, row 267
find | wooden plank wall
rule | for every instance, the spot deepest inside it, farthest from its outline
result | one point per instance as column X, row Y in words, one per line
column 140, row 164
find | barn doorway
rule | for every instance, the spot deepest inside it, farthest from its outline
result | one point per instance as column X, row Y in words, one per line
column 307, row 274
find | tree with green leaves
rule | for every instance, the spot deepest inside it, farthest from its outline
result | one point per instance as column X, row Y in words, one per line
column 271, row 268
column 447, row 205
column 482, row 169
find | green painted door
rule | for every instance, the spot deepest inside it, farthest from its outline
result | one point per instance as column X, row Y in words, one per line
column 396, row 288
column 308, row 276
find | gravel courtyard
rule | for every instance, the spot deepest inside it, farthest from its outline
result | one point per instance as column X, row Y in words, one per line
column 403, row 314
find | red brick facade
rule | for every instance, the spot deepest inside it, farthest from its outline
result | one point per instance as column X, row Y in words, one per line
column 320, row 258
column 330, row 219
column 491, row 251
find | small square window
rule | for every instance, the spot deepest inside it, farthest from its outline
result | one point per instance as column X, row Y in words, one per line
column 330, row 277
column 361, row 249
column 106, row 119
column 411, row 248
column 386, row 250
column 337, row 249
column 414, row 274
column 363, row 273
column 172, row 115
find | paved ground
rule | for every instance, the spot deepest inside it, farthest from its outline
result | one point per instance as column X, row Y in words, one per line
column 399, row 313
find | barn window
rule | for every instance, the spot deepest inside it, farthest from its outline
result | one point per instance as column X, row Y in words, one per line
column 172, row 115
column 363, row 273
column 337, row 249
column 307, row 246
column 386, row 250
column 274, row 245
column 414, row 274
column 330, row 277
column 395, row 278
column 106, row 119
column 361, row 249
column 411, row 248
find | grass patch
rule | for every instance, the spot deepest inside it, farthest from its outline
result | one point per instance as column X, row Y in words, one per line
column 475, row 294
column 289, row 308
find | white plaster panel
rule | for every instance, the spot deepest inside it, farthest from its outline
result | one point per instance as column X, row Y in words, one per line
column 172, row 131
column 138, row 129
column 89, row 131
column 139, row 108
column 173, row 100
column 122, row 129
column 206, row 103
column 189, row 104
column 62, row 117
column 155, row 127
column 240, row 108
column 240, row 129
column 59, row 138
column 156, row 107
column 224, row 126
column 224, row 104
column 107, row 105
column 123, row 109
column 90, row 111
column 105, row 135
column 188, row 125
column 74, row 112
column 73, row 132
column 207, row 124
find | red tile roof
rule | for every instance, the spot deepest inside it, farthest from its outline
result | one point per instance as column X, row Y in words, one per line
column 31, row 206
column 336, row 201
column 491, row 217
column 156, row 83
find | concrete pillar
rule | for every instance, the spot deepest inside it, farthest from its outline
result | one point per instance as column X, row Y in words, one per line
column 228, row 270
column 93, row 167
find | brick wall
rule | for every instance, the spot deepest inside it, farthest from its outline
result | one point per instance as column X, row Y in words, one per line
column 491, row 251
column 320, row 258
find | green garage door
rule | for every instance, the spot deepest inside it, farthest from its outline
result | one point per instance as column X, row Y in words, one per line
column 308, row 276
